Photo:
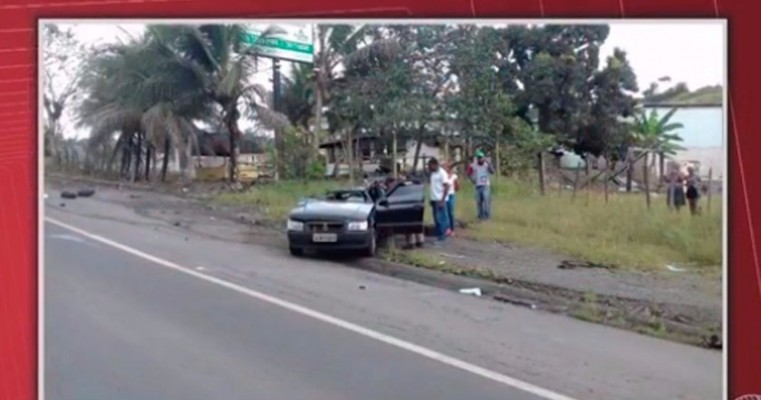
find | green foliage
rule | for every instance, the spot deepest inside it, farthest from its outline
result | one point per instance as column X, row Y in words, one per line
column 655, row 132
column 297, row 162
column 492, row 86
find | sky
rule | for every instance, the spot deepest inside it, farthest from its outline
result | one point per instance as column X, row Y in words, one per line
column 692, row 52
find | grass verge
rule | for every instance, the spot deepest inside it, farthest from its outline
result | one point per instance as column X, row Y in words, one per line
column 620, row 232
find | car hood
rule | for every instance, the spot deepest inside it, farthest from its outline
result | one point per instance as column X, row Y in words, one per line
column 310, row 209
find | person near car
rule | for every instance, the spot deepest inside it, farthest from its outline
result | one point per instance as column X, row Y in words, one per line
column 674, row 180
column 439, row 192
column 693, row 193
column 454, row 186
column 480, row 173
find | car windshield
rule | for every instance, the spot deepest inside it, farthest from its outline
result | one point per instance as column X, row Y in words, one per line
column 346, row 196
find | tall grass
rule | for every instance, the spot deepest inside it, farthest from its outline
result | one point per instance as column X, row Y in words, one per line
column 621, row 232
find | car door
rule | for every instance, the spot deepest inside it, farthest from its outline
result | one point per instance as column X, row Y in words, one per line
column 402, row 209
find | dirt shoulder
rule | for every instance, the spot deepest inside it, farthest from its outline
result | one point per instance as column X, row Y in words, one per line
column 673, row 304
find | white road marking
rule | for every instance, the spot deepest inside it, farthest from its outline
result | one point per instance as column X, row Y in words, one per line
column 390, row 340
column 74, row 238
column 68, row 237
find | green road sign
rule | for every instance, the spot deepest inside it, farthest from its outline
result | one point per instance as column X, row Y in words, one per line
column 292, row 43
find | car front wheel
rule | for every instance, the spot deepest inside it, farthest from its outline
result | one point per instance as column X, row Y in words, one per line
column 295, row 251
column 372, row 248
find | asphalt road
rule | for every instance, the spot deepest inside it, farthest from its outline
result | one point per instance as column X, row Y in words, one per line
column 124, row 326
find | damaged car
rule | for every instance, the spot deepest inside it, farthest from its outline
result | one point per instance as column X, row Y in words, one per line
column 355, row 219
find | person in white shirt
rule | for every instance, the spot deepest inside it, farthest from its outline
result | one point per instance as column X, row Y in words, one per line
column 439, row 185
column 453, row 186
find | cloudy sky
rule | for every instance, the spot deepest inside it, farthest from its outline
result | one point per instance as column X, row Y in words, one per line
column 686, row 51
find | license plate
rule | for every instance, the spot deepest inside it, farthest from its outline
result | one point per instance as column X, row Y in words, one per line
column 324, row 237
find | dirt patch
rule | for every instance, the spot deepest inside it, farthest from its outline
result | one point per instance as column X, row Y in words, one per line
column 681, row 306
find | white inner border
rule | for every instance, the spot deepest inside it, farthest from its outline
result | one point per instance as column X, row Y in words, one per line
column 479, row 21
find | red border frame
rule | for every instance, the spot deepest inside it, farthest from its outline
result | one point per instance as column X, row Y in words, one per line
column 19, row 165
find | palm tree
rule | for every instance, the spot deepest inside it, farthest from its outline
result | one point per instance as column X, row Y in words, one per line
column 298, row 98
column 656, row 133
column 132, row 91
column 219, row 59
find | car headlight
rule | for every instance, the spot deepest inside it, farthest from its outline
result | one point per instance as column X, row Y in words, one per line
column 358, row 226
column 295, row 225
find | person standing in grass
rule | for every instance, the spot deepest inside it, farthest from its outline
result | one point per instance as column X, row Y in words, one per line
column 454, row 186
column 480, row 173
column 675, row 188
column 439, row 193
column 693, row 194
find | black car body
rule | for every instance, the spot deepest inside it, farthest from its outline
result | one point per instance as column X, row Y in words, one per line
column 353, row 219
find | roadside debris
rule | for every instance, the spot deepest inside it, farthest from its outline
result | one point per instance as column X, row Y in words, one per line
column 85, row 193
column 472, row 291
column 572, row 264
column 68, row 195
column 62, row 205
column 452, row 256
column 674, row 268
column 514, row 302
column 362, row 287
column 713, row 342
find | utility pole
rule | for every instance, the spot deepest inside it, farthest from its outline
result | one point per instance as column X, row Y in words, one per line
column 276, row 89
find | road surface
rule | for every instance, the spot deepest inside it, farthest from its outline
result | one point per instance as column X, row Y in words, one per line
column 135, row 310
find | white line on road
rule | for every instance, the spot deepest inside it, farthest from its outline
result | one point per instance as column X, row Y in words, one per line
column 419, row 350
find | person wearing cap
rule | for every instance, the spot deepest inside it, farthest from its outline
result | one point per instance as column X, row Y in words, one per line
column 439, row 186
column 480, row 173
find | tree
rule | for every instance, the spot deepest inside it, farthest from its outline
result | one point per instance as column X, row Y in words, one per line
column 656, row 133
column 482, row 106
column 554, row 69
column 426, row 50
column 219, row 59
column 134, row 91
column 61, row 58
column 611, row 100
column 298, row 97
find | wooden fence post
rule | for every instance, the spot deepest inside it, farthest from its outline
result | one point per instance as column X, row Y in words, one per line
column 646, row 178
column 710, row 190
column 607, row 178
column 540, row 156
column 629, row 175
column 588, row 173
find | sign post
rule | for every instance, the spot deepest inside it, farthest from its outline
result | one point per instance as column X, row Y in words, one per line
column 280, row 42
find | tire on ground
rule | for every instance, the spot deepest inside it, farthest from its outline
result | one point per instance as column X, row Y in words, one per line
column 68, row 195
column 85, row 192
